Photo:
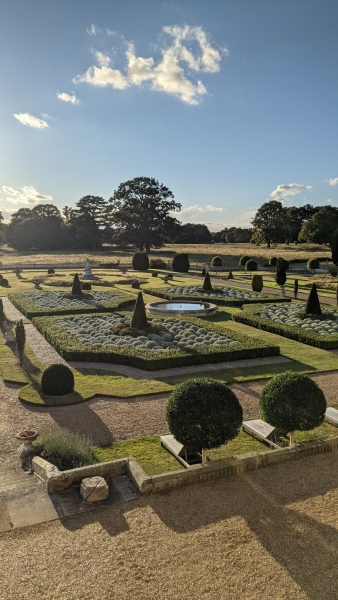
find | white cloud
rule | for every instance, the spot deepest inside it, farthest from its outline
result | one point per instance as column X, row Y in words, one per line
column 26, row 195
column 110, row 32
column 285, row 191
column 93, row 30
column 332, row 181
column 27, row 119
column 68, row 98
column 172, row 74
column 329, row 200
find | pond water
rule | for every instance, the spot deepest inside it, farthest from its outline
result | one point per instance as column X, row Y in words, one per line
column 181, row 306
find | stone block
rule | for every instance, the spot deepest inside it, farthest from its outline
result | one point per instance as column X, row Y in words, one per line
column 94, row 489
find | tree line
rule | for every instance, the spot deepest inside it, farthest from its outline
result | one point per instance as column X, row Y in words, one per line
column 140, row 214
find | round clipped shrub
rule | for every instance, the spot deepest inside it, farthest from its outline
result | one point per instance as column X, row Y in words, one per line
column 3, row 281
column 63, row 448
column 86, row 286
column 243, row 260
column 57, row 380
column 154, row 274
column 140, row 261
column 273, row 261
column 1, row 276
column 203, row 414
column 257, row 283
column 291, row 401
column 50, row 271
column 135, row 285
column 251, row 265
column 181, row 263
column 312, row 263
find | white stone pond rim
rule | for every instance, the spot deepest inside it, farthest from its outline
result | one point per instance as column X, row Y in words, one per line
column 181, row 308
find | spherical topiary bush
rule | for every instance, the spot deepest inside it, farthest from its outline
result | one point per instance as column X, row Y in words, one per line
column 243, row 260
column 154, row 274
column 273, row 261
column 135, row 285
column 1, row 276
column 57, row 380
column 50, row 271
column 140, row 261
column 203, row 414
column 86, row 286
column 257, row 283
column 292, row 401
column 4, row 282
column 181, row 263
column 251, row 265
column 312, row 264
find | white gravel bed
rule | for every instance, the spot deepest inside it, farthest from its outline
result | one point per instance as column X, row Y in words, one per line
column 50, row 300
column 216, row 292
column 287, row 314
column 12, row 313
column 143, row 374
column 41, row 348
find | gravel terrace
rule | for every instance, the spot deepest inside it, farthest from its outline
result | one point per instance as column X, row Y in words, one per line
column 109, row 419
column 269, row 534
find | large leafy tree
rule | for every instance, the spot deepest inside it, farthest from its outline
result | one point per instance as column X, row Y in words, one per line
column 193, row 233
column 93, row 206
column 270, row 223
column 140, row 211
column 320, row 228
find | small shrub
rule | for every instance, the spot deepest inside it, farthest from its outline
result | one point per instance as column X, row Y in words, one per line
column 312, row 264
column 334, row 273
column 273, row 261
column 257, row 283
column 50, row 271
column 251, row 265
column 64, row 449
column 154, row 274
column 180, row 263
column 57, row 380
column 243, row 260
column 4, row 282
column 86, row 286
column 76, row 287
column 230, row 276
column 157, row 263
column 203, row 413
column 295, row 288
column 291, row 401
column 135, row 285
column 313, row 305
column 20, row 338
column 203, row 272
column 2, row 316
column 140, row 261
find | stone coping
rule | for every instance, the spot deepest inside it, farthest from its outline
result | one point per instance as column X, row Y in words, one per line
column 226, row 467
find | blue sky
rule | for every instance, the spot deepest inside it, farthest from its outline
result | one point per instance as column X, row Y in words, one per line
column 228, row 103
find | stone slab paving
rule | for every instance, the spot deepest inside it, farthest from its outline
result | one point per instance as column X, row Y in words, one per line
column 143, row 374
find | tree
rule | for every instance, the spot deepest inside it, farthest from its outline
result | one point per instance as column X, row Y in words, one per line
column 20, row 338
column 291, row 402
column 280, row 276
column 140, row 210
column 203, row 414
column 334, row 247
column 192, row 233
column 296, row 216
column 320, row 228
column 269, row 223
column 95, row 207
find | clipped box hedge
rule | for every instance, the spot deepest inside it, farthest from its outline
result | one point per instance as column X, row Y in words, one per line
column 250, row 316
column 70, row 348
column 266, row 298
column 30, row 309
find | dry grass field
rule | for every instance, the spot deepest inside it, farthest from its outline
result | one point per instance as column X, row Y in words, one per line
column 200, row 253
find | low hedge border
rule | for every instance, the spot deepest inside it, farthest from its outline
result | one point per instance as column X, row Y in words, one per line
column 250, row 316
column 23, row 303
column 70, row 348
column 219, row 301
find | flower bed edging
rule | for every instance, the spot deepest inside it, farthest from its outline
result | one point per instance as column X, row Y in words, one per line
column 226, row 467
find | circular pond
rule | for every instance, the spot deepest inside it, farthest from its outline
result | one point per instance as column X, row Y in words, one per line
column 175, row 307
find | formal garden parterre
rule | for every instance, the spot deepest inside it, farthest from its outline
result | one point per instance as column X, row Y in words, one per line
column 37, row 303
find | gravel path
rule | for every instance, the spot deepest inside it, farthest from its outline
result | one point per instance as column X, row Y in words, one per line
column 269, row 534
column 107, row 419
column 12, row 313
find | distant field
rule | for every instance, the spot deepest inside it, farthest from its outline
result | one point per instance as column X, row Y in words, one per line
column 201, row 253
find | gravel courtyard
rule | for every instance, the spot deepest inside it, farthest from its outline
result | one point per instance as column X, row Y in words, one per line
column 271, row 534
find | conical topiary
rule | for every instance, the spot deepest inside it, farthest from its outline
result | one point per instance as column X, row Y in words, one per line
column 295, row 288
column 230, row 276
column 76, row 289
column 207, row 283
column 2, row 316
column 139, row 318
column 203, row 271
column 312, row 305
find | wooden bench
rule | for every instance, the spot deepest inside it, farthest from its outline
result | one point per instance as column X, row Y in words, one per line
column 263, row 431
column 331, row 415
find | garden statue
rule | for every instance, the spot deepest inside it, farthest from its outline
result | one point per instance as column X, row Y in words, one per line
column 88, row 272
column 26, row 451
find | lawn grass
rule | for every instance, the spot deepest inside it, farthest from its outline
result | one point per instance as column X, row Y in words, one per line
column 323, row 431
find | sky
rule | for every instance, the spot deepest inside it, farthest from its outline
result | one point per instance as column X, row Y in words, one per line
column 229, row 103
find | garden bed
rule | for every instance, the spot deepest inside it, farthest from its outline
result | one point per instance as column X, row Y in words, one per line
column 220, row 295
column 182, row 342
column 39, row 303
column 284, row 320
